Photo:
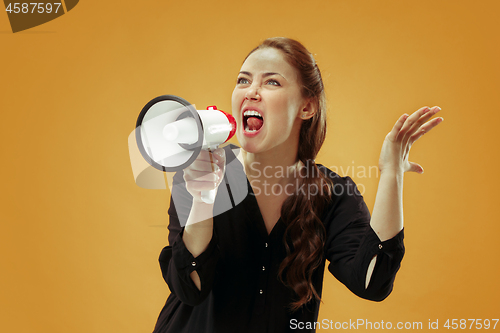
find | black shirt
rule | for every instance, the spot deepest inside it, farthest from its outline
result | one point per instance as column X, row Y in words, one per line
column 240, row 289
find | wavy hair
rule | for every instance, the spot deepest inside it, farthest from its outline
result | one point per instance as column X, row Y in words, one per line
column 305, row 233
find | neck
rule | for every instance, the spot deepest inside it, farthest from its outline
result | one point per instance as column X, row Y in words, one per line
column 272, row 166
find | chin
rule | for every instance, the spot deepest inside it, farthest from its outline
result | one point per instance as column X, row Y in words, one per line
column 244, row 142
column 249, row 148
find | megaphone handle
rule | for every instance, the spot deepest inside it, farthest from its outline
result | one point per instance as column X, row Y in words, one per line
column 209, row 196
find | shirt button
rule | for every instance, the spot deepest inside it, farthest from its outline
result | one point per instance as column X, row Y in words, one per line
column 193, row 263
column 261, row 292
column 266, row 245
column 380, row 246
column 263, row 268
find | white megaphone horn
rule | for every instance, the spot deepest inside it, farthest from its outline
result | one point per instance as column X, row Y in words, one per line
column 170, row 133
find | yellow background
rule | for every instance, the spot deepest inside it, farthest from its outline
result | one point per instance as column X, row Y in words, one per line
column 79, row 241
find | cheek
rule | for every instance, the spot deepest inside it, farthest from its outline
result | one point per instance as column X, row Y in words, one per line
column 295, row 106
column 289, row 109
column 236, row 102
column 282, row 115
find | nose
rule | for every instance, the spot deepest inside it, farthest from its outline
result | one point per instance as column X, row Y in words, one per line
column 252, row 93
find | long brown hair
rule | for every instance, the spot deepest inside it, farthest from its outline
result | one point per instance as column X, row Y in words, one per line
column 305, row 233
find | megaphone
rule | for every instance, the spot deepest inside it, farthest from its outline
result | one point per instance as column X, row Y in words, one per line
column 170, row 133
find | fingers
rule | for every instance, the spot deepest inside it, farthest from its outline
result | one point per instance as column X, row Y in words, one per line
column 420, row 115
column 220, row 157
column 206, row 172
column 406, row 122
column 393, row 134
column 414, row 122
column 404, row 133
column 415, row 167
column 425, row 128
column 209, row 161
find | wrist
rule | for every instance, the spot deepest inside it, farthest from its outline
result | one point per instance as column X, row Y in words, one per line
column 392, row 172
column 200, row 214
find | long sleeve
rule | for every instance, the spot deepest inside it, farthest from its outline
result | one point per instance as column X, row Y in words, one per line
column 176, row 262
column 351, row 244
column 239, row 269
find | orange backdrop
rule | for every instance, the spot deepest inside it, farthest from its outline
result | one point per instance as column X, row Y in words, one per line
column 79, row 240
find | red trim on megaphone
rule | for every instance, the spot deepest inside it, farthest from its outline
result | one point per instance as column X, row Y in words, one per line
column 230, row 118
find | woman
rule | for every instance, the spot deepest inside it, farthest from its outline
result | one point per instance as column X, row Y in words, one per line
column 258, row 267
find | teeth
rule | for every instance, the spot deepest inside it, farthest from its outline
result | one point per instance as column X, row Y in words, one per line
column 249, row 113
column 249, row 130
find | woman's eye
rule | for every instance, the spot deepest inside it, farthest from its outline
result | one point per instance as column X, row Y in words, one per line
column 242, row 80
column 273, row 83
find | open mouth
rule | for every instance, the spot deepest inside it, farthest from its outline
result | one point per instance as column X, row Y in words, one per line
column 252, row 121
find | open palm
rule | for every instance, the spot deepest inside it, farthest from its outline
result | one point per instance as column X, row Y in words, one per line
column 407, row 130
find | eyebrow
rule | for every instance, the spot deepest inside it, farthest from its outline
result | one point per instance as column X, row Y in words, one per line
column 264, row 75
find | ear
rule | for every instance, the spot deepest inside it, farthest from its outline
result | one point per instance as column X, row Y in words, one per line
column 308, row 110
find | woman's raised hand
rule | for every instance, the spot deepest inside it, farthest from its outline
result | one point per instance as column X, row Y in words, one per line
column 407, row 130
column 205, row 173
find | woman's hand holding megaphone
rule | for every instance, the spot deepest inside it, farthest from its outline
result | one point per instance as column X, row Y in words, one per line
column 205, row 173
